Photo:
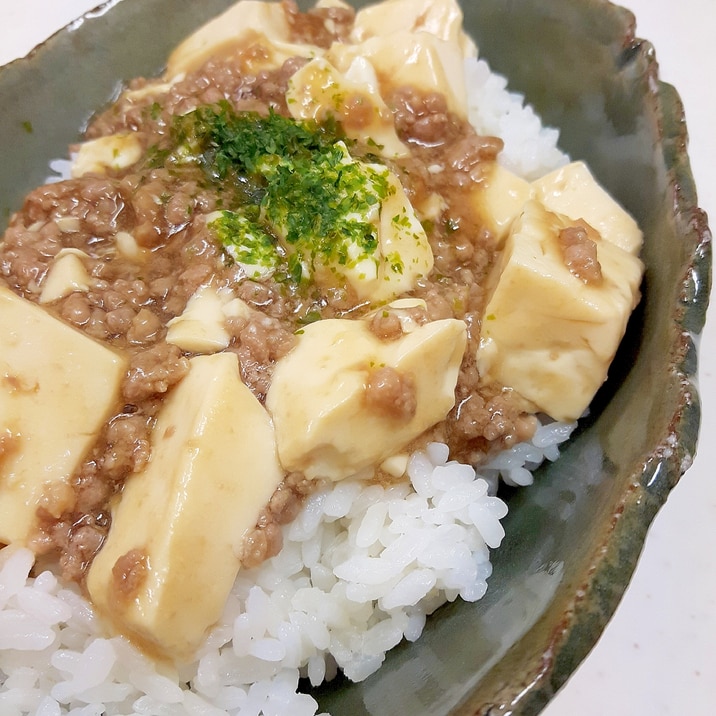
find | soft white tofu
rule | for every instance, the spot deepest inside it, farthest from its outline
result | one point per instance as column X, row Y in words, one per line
column 317, row 398
column 404, row 254
column 201, row 327
column 573, row 191
column 442, row 18
column 318, row 90
column 247, row 23
column 151, row 88
column 115, row 152
column 546, row 333
column 67, row 274
column 57, row 389
column 406, row 58
column 128, row 247
column 183, row 519
column 499, row 199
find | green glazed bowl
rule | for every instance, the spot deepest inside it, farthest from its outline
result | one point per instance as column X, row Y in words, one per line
column 574, row 537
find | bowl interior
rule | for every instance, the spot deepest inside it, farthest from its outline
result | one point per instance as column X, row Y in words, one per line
column 573, row 538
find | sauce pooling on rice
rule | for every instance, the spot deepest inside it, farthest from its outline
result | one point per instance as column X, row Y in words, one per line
column 294, row 259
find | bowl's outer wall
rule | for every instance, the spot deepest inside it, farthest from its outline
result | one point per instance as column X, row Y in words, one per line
column 573, row 538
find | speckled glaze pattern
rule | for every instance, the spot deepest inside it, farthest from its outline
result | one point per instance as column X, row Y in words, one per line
column 574, row 537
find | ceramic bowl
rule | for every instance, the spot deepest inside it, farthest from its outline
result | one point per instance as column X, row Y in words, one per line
column 574, row 537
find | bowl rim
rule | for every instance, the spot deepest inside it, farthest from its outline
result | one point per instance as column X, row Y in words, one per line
column 668, row 461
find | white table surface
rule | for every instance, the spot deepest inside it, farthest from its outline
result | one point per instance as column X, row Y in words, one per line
column 658, row 654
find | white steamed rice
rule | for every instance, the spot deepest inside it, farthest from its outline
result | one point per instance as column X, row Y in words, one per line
column 361, row 568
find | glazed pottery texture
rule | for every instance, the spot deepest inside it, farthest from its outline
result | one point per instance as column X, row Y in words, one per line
column 574, row 537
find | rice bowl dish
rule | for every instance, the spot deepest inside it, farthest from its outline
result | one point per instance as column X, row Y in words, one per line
column 372, row 560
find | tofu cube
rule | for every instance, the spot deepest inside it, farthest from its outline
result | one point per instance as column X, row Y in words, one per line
column 441, row 18
column 115, row 152
column 57, row 389
column 66, row 275
column 201, row 328
column 324, row 426
column 573, row 191
column 417, row 59
column 546, row 333
column 245, row 24
column 173, row 551
column 318, row 90
column 500, row 200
